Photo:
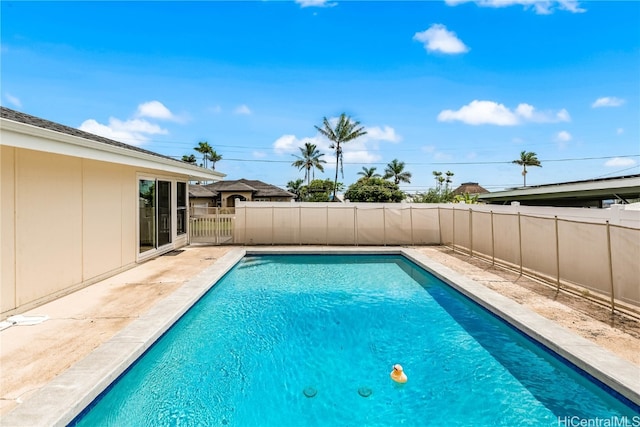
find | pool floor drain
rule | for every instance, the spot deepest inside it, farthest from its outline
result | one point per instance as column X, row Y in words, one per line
column 365, row 391
column 310, row 392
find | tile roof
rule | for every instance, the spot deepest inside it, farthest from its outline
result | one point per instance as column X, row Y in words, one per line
column 258, row 188
column 470, row 188
column 200, row 191
column 17, row 116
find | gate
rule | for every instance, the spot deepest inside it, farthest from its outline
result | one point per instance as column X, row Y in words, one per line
column 211, row 225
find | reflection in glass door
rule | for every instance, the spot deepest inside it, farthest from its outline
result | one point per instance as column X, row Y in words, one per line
column 164, row 213
column 147, row 197
column 155, row 214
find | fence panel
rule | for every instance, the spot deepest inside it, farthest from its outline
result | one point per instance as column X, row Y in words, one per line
column 506, row 238
column 425, row 227
column 370, row 223
column 398, row 223
column 286, row 225
column 341, row 229
column 625, row 253
column 314, row 225
column 446, row 226
column 539, row 245
column 482, row 233
column 461, row 228
column 259, row 225
column 584, row 255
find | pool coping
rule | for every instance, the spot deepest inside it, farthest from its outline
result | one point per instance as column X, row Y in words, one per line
column 63, row 398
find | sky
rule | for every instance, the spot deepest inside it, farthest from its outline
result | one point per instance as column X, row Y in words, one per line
column 455, row 85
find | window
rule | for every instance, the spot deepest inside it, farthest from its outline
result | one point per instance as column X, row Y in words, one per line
column 181, row 193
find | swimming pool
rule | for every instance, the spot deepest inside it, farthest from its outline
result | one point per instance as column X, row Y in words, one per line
column 310, row 340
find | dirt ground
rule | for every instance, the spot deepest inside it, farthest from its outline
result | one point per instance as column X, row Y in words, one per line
column 31, row 356
column 619, row 333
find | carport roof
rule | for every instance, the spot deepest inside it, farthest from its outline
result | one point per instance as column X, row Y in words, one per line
column 620, row 187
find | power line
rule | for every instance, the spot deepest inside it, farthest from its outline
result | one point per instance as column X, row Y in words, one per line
column 440, row 163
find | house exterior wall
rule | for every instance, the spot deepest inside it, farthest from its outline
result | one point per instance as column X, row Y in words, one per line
column 67, row 222
column 224, row 197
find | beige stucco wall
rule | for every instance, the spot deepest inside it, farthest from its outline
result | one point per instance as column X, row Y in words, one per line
column 66, row 222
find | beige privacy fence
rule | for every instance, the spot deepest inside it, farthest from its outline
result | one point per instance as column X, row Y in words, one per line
column 566, row 247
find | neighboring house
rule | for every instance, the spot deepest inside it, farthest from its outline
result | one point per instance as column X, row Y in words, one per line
column 470, row 188
column 594, row 193
column 223, row 194
column 77, row 208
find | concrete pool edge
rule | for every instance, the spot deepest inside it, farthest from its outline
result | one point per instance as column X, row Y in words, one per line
column 66, row 396
column 62, row 399
column 620, row 375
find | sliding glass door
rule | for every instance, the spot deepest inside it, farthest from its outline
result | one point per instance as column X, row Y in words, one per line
column 155, row 214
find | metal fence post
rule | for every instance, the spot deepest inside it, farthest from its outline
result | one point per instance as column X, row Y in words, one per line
column 470, row 232
column 453, row 233
column 326, row 229
column 439, row 227
column 610, row 265
column 493, row 243
column 411, row 222
column 520, row 241
column 300, row 223
column 384, row 226
column 355, row 224
column 557, row 254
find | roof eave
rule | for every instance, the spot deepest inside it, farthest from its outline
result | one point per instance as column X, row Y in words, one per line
column 51, row 141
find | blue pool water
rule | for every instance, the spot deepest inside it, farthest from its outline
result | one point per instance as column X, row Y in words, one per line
column 333, row 326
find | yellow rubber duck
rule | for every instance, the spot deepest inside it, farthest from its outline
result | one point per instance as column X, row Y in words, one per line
column 398, row 374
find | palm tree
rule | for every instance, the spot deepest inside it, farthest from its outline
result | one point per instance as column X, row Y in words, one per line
column 448, row 180
column 191, row 159
column 369, row 172
column 295, row 187
column 395, row 170
column 438, row 176
column 527, row 158
column 214, row 157
column 205, row 149
column 309, row 161
column 344, row 131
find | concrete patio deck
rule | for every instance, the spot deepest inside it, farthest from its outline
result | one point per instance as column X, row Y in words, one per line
column 32, row 356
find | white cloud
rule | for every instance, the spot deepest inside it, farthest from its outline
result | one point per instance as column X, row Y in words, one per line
column 13, row 100
column 541, row 7
column 386, row 133
column 619, row 131
column 130, row 131
column 563, row 116
column 287, row 144
column 607, row 101
column 438, row 39
column 360, row 150
column 154, row 110
column 351, row 155
column 315, row 3
column 216, row 109
column 481, row 112
column 620, row 162
column 259, row 154
column 492, row 113
column 242, row 109
column 563, row 136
